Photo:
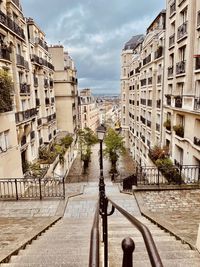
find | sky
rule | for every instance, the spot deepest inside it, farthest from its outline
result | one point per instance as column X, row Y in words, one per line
column 94, row 33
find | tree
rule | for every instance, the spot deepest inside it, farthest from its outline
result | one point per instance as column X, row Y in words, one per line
column 87, row 138
column 114, row 148
column 6, row 88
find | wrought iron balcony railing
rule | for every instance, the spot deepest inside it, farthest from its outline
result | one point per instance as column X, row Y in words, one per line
column 143, row 101
column 182, row 31
column 25, row 88
column 42, row 43
column 178, row 101
column 11, row 25
column 170, row 71
column 172, row 40
column 173, row 8
column 197, row 103
column 25, row 115
column 147, row 59
column 5, row 53
column 180, row 67
column 159, row 52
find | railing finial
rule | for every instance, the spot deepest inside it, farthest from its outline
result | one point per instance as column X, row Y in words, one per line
column 128, row 247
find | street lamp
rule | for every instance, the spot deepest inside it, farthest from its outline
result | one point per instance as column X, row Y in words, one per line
column 101, row 130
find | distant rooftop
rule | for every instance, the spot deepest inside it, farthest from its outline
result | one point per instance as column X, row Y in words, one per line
column 134, row 42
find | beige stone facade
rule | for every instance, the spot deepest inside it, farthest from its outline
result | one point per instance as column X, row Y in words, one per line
column 88, row 110
column 182, row 81
column 142, row 90
column 66, row 94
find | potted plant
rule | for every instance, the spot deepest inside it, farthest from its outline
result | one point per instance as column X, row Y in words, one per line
column 167, row 124
column 179, row 130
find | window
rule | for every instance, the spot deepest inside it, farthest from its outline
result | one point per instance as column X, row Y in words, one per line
column 182, row 53
column 4, row 141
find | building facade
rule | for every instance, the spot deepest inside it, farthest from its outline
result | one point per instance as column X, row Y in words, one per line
column 182, row 82
column 88, row 110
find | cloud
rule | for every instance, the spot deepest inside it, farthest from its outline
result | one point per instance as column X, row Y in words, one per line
column 94, row 33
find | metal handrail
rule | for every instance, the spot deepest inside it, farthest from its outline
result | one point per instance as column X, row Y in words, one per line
column 94, row 241
column 148, row 239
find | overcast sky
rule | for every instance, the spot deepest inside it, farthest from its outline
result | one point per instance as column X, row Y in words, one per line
column 94, row 33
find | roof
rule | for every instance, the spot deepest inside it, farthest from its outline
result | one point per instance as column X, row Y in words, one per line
column 134, row 41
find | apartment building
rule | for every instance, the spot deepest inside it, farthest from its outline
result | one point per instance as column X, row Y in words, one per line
column 182, row 82
column 142, row 90
column 13, row 60
column 88, row 110
column 66, row 92
column 126, row 58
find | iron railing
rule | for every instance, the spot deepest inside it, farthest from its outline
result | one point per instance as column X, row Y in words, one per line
column 32, row 188
column 94, row 241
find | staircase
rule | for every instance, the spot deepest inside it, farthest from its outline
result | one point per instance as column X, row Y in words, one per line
column 66, row 244
column 172, row 252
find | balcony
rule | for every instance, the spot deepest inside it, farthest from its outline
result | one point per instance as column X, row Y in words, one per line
column 25, row 115
column 5, row 52
column 51, row 83
column 178, row 101
column 170, row 71
column 50, row 137
column 11, row 25
column 179, row 130
column 20, row 60
column 147, row 59
column 159, row 52
column 197, row 103
column 42, row 43
column 23, row 140
column 157, row 127
column 32, row 135
column 37, row 102
column 197, row 62
column 168, row 100
column 172, row 40
column 172, row 8
column 182, row 31
column 25, row 88
column 143, row 82
column 47, row 101
column 149, row 123
column 149, row 102
column 150, row 80
column 40, row 141
column 35, row 81
column 180, row 67
column 143, row 101
column 46, row 83
column 159, row 79
column 167, row 124
column 158, row 103
column 36, row 60
column 196, row 141
column 39, row 122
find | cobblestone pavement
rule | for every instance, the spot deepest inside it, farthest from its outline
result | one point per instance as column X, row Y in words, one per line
column 176, row 210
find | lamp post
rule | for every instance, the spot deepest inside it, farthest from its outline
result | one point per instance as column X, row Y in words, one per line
column 103, row 202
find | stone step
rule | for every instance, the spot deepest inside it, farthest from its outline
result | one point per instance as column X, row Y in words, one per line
column 53, row 264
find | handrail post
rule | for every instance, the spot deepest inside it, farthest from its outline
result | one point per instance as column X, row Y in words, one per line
column 158, row 177
column 16, row 190
column 105, row 230
column 128, row 247
column 40, row 188
column 63, row 180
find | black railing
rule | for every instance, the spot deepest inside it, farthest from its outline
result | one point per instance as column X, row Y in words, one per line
column 159, row 52
column 146, row 234
column 173, row 8
column 25, row 115
column 5, row 53
column 172, row 40
column 182, row 30
column 197, row 103
column 9, row 23
column 178, row 101
column 197, row 63
column 170, row 71
column 94, row 241
column 42, row 43
column 143, row 82
column 174, row 174
column 25, row 88
column 147, row 59
column 31, row 188
column 143, row 101
column 180, row 67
